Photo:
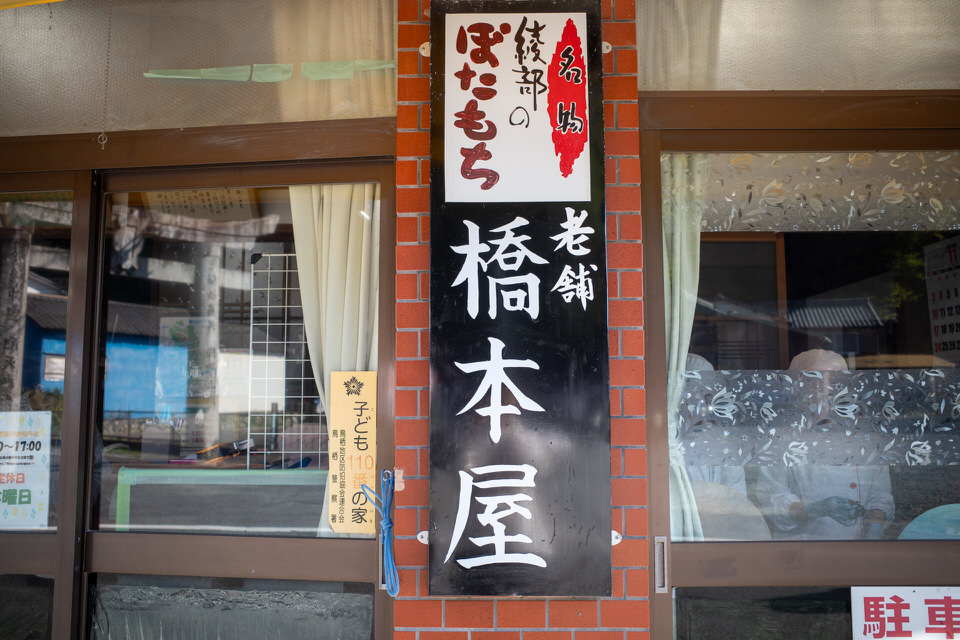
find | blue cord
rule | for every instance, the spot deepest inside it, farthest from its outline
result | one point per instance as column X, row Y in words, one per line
column 386, row 528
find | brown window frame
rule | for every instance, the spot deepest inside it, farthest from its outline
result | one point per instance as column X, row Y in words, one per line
column 755, row 122
column 300, row 153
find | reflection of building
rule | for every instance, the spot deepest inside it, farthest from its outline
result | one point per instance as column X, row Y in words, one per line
column 850, row 326
column 138, row 336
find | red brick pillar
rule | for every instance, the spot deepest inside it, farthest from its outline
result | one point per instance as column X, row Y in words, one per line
column 625, row 615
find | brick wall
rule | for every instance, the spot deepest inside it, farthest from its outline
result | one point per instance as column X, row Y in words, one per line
column 624, row 616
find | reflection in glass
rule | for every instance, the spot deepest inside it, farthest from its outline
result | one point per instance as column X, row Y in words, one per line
column 226, row 311
column 26, row 606
column 745, row 613
column 848, row 45
column 155, row 607
column 257, row 62
column 813, row 387
column 34, row 273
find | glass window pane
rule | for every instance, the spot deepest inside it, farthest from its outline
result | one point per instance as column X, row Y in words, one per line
column 209, row 63
column 26, row 606
column 226, row 311
column 161, row 607
column 813, row 336
column 766, row 45
column 784, row 613
column 34, row 273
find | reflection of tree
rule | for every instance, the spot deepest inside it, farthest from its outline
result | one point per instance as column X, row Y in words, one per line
column 52, row 401
column 906, row 264
column 906, row 259
column 820, row 262
column 203, row 380
column 886, row 266
column 25, row 219
column 14, row 271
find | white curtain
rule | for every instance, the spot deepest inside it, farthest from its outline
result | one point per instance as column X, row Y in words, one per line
column 336, row 232
column 683, row 179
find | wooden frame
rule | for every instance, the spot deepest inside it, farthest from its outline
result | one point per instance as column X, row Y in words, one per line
column 771, row 121
column 60, row 553
column 339, row 151
column 331, row 139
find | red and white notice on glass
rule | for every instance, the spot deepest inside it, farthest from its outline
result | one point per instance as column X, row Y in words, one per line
column 905, row 612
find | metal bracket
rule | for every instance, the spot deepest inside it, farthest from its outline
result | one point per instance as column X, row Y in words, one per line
column 423, row 537
column 606, row 47
column 381, row 574
column 660, row 575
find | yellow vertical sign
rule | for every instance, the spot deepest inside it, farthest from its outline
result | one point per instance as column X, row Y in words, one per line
column 352, row 430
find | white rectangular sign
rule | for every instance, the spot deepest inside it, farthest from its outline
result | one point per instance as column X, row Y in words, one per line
column 24, row 469
column 352, row 431
column 905, row 612
column 516, row 111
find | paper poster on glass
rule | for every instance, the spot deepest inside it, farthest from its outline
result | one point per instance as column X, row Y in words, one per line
column 24, row 469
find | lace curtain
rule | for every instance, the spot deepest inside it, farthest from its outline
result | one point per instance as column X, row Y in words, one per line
column 683, row 179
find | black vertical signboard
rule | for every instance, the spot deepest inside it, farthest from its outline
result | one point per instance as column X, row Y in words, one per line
column 519, row 398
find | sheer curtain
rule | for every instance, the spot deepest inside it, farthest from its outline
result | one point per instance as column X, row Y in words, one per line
column 683, row 179
column 336, row 232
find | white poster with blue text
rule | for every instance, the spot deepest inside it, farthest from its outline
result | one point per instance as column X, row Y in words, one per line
column 24, row 469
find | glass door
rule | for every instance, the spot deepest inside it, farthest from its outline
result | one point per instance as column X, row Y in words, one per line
column 809, row 438
column 228, row 298
column 43, row 232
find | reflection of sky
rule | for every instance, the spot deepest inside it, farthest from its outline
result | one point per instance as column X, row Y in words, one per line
column 144, row 379
column 142, row 376
column 148, row 379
